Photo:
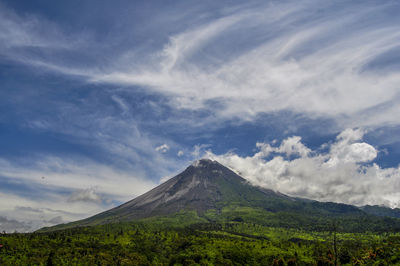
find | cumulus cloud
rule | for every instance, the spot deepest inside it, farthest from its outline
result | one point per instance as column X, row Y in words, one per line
column 342, row 174
column 86, row 195
column 180, row 153
column 346, row 149
column 290, row 146
column 11, row 225
column 162, row 148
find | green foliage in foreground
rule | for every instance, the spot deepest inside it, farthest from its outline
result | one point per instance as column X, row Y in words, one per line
column 232, row 243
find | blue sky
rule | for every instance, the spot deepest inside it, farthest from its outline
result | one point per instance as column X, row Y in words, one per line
column 101, row 101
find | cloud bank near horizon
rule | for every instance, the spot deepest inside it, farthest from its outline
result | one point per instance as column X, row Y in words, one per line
column 340, row 171
column 56, row 190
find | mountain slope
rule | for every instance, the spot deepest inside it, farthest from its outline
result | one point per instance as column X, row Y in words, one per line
column 204, row 185
column 381, row 211
column 209, row 192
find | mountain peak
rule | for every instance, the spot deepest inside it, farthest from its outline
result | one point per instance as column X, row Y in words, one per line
column 204, row 185
column 215, row 192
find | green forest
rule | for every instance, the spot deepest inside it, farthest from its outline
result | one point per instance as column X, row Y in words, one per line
column 229, row 243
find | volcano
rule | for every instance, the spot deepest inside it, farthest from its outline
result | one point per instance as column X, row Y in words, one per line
column 210, row 192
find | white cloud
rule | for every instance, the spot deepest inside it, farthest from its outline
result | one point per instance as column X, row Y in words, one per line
column 75, row 175
column 180, row 153
column 35, row 41
column 281, row 73
column 293, row 146
column 162, row 148
column 122, row 104
column 345, row 150
column 87, row 188
column 183, row 45
column 11, row 225
column 199, row 150
column 85, row 195
column 337, row 175
column 293, row 59
column 42, row 211
column 289, row 146
column 26, row 31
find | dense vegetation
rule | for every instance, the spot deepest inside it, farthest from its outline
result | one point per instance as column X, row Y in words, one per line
column 232, row 243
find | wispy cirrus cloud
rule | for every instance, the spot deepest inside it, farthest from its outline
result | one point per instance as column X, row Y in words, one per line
column 306, row 57
column 317, row 65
